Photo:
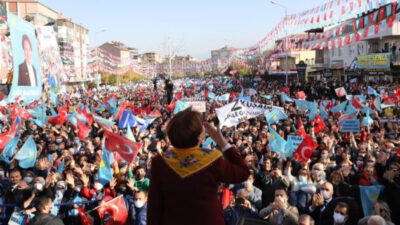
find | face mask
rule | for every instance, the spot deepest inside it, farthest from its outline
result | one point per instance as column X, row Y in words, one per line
column 326, row 195
column 138, row 204
column 339, row 218
column 324, row 156
column 28, row 179
column 98, row 186
column 76, row 142
column 78, row 188
column 1, row 173
column 370, row 164
column 58, row 141
column 303, row 179
column 38, row 186
column 362, row 155
column 60, row 194
column 359, row 163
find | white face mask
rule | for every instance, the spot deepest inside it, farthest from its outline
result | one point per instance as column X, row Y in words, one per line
column 60, row 194
column 326, row 195
column 339, row 218
column 98, row 186
column 1, row 173
column 28, row 180
column 302, row 179
column 138, row 204
column 38, row 186
column 78, row 188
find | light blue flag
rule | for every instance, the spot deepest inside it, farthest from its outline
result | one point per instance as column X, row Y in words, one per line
column 211, row 95
column 60, row 168
column 351, row 109
column 54, row 98
column 289, row 148
column 9, row 150
column 27, row 154
column 274, row 116
column 377, row 104
column 367, row 110
column 180, row 106
column 209, row 143
column 304, row 105
column 113, row 105
column 104, row 122
column 323, row 112
column 269, row 97
column 362, row 99
column 73, row 120
column 369, row 195
column 276, row 142
column 224, row 97
column 339, row 108
column 105, row 173
column 367, row 121
column 285, row 98
column 129, row 134
column 313, row 113
column 79, row 117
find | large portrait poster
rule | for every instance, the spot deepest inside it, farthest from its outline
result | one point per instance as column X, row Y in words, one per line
column 5, row 51
column 27, row 79
column 50, row 60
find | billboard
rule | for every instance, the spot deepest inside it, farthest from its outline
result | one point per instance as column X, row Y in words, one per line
column 5, row 49
column 374, row 61
column 49, row 55
column 27, row 79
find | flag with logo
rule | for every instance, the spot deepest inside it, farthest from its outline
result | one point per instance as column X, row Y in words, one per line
column 27, row 154
column 125, row 148
column 276, row 142
column 285, row 98
column 339, row 108
column 9, row 150
column 369, row 195
column 116, row 210
column 105, row 172
column 305, row 149
column 274, row 116
column 180, row 106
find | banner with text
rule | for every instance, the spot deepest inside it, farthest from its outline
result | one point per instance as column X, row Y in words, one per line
column 351, row 126
column 27, row 80
column 239, row 111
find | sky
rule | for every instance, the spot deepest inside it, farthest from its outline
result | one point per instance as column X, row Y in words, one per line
column 194, row 27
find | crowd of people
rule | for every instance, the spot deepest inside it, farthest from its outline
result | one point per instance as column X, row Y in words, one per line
column 325, row 190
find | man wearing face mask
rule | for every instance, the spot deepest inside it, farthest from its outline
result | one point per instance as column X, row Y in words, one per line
column 341, row 214
column 322, row 206
column 279, row 211
column 254, row 192
column 138, row 211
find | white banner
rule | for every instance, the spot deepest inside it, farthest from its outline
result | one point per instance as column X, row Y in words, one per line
column 236, row 112
column 199, row 106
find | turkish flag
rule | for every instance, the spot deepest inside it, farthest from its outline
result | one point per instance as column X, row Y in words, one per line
column 376, row 28
column 357, row 104
column 358, row 37
column 305, row 149
column 125, row 148
column 340, row 42
column 391, row 100
column 365, row 32
column 84, row 217
column 285, row 90
column 300, row 130
column 63, row 116
column 171, row 106
column 301, row 95
column 179, row 95
column 16, row 111
column 116, row 209
column 319, row 124
column 7, row 136
column 88, row 116
column 381, row 13
column 83, row 131
column 155, row 112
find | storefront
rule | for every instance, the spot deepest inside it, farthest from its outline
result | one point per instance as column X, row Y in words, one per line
column 375, row 66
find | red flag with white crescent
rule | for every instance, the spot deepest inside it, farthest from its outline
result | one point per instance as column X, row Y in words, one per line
column 305, row 149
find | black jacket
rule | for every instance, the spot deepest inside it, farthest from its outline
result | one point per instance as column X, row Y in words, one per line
column 45, row 219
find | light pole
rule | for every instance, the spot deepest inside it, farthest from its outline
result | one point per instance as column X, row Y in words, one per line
column 286, row 38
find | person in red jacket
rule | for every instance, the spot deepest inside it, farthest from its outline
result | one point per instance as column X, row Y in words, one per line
column 184, row 181
column 369, row 177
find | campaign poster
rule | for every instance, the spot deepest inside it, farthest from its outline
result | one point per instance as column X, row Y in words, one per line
column 27, row 80
column 5, row 52
column 50, row 59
